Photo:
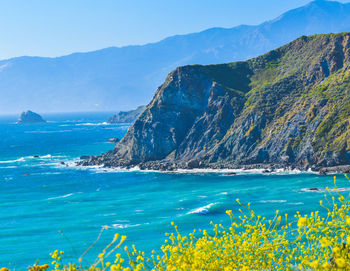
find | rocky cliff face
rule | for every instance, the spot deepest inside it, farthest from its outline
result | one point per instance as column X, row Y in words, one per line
column 289, row 107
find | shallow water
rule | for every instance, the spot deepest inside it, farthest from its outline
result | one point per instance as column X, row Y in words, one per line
column 40, row 197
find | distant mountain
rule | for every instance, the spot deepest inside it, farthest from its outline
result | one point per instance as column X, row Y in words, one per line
column 126, row 77
column 127, row 116
column 287, row 108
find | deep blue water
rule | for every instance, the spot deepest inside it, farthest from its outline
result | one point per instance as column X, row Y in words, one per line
column 40, row 197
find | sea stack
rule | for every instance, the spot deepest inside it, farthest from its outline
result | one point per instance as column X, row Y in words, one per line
column 30, row 117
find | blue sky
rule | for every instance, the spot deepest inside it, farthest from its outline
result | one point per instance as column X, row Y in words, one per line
column 59, row 27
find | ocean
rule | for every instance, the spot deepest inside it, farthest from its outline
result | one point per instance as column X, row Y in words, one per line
column 47, row 205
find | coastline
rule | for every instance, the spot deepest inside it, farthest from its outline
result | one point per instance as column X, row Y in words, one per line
column 166, row 167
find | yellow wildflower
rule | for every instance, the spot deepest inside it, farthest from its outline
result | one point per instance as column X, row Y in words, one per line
column 302, row 222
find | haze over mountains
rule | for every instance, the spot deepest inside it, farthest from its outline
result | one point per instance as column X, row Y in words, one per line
column 123, row 78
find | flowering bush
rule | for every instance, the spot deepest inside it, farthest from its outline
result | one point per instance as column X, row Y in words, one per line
column 309, row 242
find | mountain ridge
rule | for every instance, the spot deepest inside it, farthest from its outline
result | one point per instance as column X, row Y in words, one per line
column 105, row 79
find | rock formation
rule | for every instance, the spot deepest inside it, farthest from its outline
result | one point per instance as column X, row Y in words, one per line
column 30, row 117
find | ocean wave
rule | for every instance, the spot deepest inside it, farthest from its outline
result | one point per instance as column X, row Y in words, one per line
column 8, row 178
column 25, row 158
column 64, row 196
column 102, row 169
column 47, row 132
column 124, row 226
column 224, row 171
column 295, row 203
column 110, row 214
column 273, row 201
column 92, row 124
column 324, row 190
column 202, row 210
column 97, row 169
column 13, row 161
column 241, row 171
column 46, row 173
column 46, row 156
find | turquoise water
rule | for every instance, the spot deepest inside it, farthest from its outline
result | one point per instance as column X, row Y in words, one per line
column 40, row 197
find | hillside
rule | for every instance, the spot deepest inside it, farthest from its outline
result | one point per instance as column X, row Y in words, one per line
column 287, row 108
column 127, row 116
column 124, row 78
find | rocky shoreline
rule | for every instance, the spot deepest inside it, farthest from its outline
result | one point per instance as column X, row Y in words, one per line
column 172, row 167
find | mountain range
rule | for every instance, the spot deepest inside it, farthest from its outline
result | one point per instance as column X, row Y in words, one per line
column 126, row 77
column 287, row 108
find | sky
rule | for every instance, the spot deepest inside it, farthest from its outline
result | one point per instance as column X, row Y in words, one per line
column 59, row 27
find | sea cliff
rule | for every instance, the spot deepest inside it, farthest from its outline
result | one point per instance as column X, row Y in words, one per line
column 287, row 108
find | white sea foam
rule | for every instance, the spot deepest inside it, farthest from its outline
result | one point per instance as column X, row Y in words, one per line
column 223, row 171
column 202, row 210
column 13, row 161
column 8, row 178
column 111, row 214
column 123, row 226
column 41, row 159
column 47, row 132
column 272, row 201
column 46, row 156
column 60, row 197
column 239, row 171
column 46, row 173
column 102, row 169
column 92, row 124
column 324, row 190
column 295, row 203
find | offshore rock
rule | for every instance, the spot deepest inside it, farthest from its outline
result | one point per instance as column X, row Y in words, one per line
column 30, row 117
